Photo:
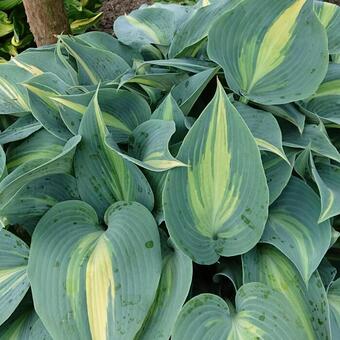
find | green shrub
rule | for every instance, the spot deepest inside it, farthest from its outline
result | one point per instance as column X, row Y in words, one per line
column 15, row 35
column 204, row 134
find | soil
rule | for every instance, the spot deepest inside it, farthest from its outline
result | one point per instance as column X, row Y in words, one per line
column 334, row 2
column 112, row 9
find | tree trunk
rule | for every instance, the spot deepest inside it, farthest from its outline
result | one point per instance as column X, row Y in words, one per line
column 46, row 18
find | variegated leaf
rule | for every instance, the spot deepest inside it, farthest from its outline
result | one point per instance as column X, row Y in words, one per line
column 169, row 110
column 149, row 146
column 272, row 51
column 293, row 227
column 103, row 176
column 189, row 90
column 217, row 206
column 327, row 178
column 329, row 15
column 13, row 97
column 146, row 26
column 264, row 128
column 105, row 41
column 313, row 135
column 278, row 173
column 334, row 307
column 32, row 169
column 31, row 202
column 195, row 29
column 267, row 265
column 13, row 273
column 172, row 291
column 94, row 65
column 39, row 146
column 260, row 313
column 20, row 129
column 26, row 326
column 326, row 101
column 40, row 90
column 122, row 111
column 104, row 280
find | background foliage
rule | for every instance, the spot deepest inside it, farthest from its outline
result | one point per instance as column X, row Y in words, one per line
column 15, row 35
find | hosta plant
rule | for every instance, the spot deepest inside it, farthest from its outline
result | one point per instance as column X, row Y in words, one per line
column 179, row 180
column 15, row 35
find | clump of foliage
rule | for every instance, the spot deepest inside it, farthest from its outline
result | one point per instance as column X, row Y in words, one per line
column 193, row 160
column 15, row 35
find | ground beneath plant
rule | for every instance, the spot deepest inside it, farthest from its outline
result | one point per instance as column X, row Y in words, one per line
column 112, row 9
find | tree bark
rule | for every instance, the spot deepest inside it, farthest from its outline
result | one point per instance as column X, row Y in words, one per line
column 47, row 18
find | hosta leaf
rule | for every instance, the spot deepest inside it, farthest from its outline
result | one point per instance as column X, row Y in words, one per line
column 39, row 146
column 263, row 67
column 6, row 26
column 149, row 146
column 13, row 97
column 313, row 135
column 302, row 162
column 326, row 101
column 40, row 90
column 267, row 265
column 179, row 11
column 168, row 110
column 20, row 129
column 329, row 15
column 26, row 326
column 217, row 206
column 40, row 60
column 3, row 168
column 189, row 90
column 104, row 41
column 164, row 81
column 157, row 183
column 172, row 291
column 327, row 272
column 289, row 112
column 13, row 273
column 146, row 26
column 103, row 176
column 8, row 4
column 293, row 227
column 261, row 313
column 327, row 178
column 81, row 25
column 32, row 169
column 103, row 281
column 334, row 307
column 94, row 65
column 185, row 64
column 278, row 173
column 196, row 28
column 230, row 268
column 36, row 197
column 264, row 128
column 122, row 111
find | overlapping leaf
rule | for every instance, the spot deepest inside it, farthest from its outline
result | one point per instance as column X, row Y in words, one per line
column 261, row 312
column 103, row 281
column 272, row 52
column 217, row 206
column 293, row 227
column 103, row 176
column 13, row 273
